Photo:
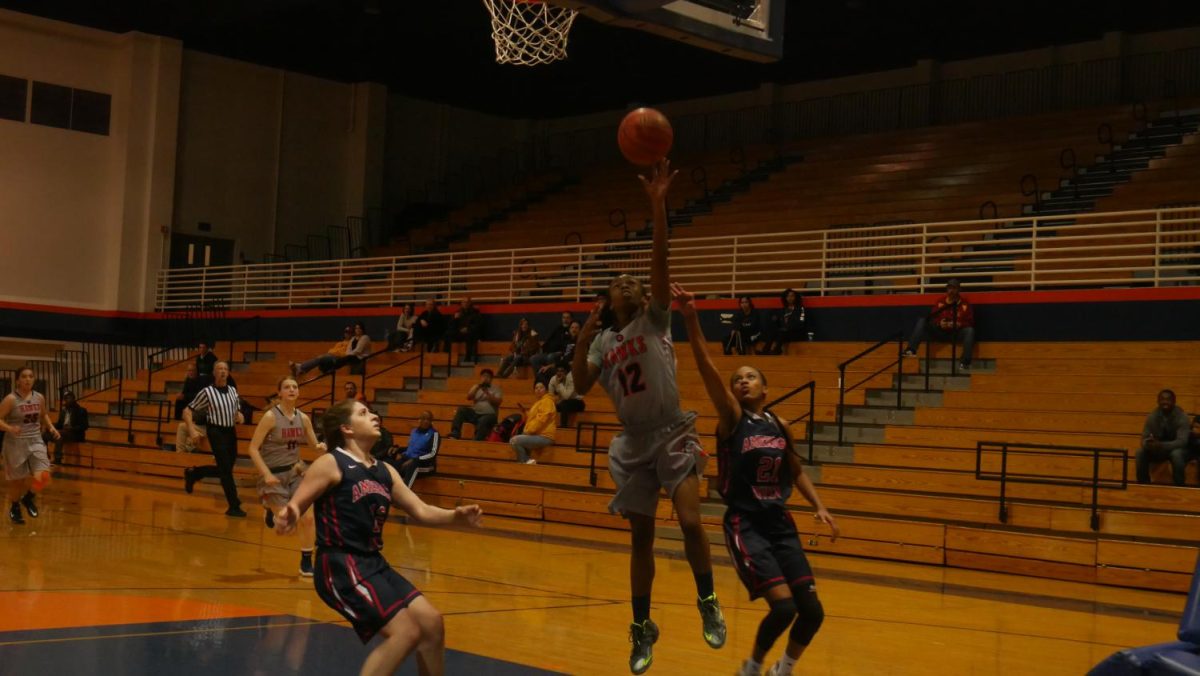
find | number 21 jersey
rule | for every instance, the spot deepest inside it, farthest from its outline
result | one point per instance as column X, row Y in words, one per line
column 637, row 369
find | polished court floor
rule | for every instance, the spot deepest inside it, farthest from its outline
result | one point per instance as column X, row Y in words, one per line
column 135, row 578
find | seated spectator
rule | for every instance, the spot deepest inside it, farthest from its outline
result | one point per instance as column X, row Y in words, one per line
column 72, row 425
column 1165, row 436
column 787, row 325
column 350, row 391
column 486, row 399
column 524, row 345
column 360, row 349
column 546, row 372
column 430, row 327
column 205, row 361
column 562, row 387
column 553, row 345
column 402, row 338
column 465, row 327
column 421, row 451
column 747, row 328
column 184, row 443
column 539, row 428
column 191, row 387
column 328, row 361
column 950, row 315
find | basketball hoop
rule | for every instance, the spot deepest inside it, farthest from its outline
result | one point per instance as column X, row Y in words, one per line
column 529, row 32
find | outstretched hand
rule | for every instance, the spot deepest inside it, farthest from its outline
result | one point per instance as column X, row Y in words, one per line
column 660, row 180
column 591, row 327
column 685, row 301
column 826, row 518
column 285, row 519
column 468, row 514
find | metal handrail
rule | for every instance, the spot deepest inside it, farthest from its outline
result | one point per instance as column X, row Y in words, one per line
column 165, row 408
column 150, row 370
column 592, row 448
column 1095, row 482
column 1065, row 255
column 809, row 418
column 843, row 389
column 118, row 370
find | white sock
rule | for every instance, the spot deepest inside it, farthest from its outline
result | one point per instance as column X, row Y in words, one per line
column 784, row 666
column 751, row 668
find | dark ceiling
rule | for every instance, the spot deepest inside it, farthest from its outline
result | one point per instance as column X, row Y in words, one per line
column 442, row 49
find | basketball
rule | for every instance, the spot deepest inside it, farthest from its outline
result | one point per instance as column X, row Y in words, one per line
column 645, row 136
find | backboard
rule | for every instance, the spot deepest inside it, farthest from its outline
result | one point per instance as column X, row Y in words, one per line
column 746, row 29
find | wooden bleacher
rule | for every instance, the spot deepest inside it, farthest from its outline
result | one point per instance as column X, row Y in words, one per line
column 912, row 496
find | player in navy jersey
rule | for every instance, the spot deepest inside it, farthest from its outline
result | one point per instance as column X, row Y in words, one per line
column 352, row 493
column 758, row 467
column 633, row 359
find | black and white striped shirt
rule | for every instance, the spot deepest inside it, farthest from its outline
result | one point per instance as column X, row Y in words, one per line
column 221, row 404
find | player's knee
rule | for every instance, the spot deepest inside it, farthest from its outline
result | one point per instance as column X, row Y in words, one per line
column 689, row 522
column 780, row 614
column 809, row 619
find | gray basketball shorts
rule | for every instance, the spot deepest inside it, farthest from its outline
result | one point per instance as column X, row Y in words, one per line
column 642, row 464
column 289, row 481
column 24, row 457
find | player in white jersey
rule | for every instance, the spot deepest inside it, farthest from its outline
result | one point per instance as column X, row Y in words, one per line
column 634, row 360
column 275, row 451
column 23, row 416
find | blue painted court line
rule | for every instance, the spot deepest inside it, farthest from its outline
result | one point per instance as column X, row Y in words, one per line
column 250, row 646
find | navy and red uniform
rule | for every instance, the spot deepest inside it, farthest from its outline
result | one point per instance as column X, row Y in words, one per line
column 755, row 480
column 351, row 576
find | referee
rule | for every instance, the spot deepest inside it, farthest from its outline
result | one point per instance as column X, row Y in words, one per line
column 220, row 400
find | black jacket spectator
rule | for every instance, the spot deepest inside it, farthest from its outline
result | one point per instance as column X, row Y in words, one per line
column 465, row 327
column 747, row 328
column 430, row 327
column 787, row 325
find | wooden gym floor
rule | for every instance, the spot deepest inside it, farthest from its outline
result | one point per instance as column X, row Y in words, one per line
column 141, row 579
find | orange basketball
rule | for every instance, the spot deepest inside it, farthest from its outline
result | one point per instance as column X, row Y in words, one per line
column 645, row 136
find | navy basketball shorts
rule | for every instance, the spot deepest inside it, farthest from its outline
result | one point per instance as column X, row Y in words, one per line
column 765, row 550
column 363, row 588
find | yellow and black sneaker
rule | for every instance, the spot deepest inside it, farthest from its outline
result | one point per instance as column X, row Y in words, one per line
column 643, row 637
column 714, row 621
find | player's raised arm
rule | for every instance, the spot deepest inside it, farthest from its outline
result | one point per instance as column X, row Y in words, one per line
column 426, row 514
column 583, row 371
column 657, row 186
column 322, row 475
column 728, row 409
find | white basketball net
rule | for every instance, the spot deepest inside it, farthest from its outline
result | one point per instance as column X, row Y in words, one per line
column 529, row 32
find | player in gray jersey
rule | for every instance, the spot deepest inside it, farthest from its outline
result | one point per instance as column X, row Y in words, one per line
column 633, row 359
column 23, row 416
column 275, row 451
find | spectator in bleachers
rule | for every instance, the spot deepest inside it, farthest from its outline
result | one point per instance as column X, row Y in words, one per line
column 539, row 427
column 747, row 328
column 951, row 314
column 72, row 424
column 421, row 451
column 191, row 386
column 546, row 372
column 1165, row 436
column 360, row 349
column 524, row 345
column 553, row 345
column 350, row 391
column 562, row 387
column 205, row 361
column 430, row 327
column 465, row 327
column 328, row 361
column 402, row 337
column 485, row 401
column 787, row 325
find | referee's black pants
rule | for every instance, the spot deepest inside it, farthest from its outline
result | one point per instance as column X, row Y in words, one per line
column 223, row 441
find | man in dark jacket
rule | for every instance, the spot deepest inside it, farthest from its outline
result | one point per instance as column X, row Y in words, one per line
column 72, row 423
column 430, row 327
column 552, row 346
column 1165, row 437
column 465, row 327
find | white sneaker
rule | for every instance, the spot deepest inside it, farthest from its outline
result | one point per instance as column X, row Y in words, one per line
column 748, row 669
column 774, row 671
column 531, row 461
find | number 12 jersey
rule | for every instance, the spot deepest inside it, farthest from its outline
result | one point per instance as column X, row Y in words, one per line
column 637, row 369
